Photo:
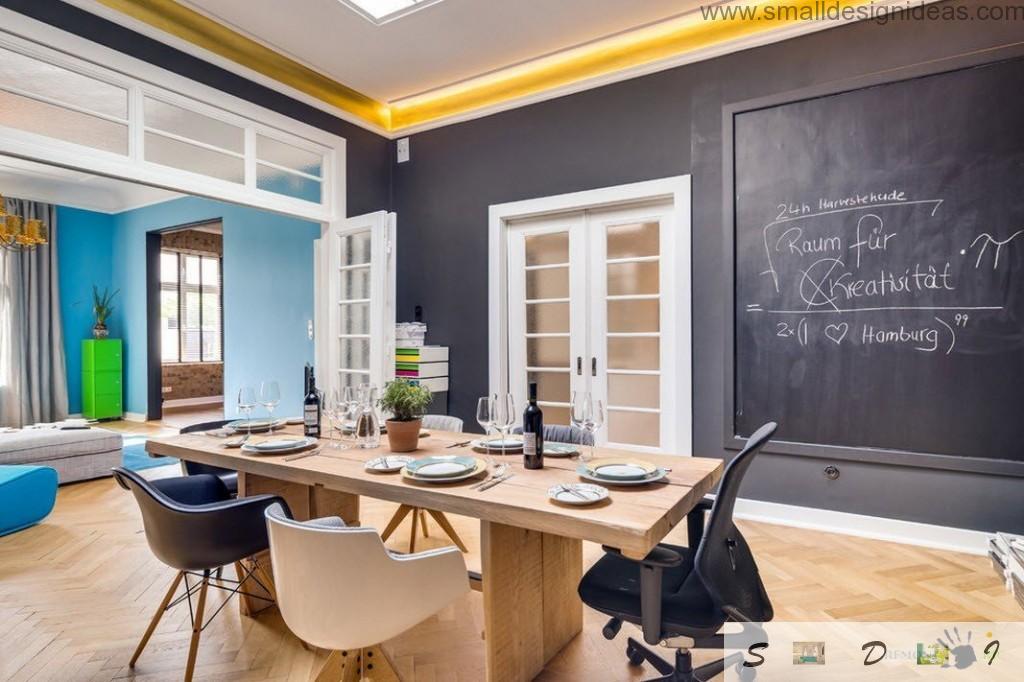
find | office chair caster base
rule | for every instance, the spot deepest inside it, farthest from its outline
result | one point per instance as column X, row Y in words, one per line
column 683, row 670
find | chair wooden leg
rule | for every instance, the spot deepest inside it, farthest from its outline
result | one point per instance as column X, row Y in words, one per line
column 412, row 534
column 423, row 522
column 370, row 664
column 265, row 577
column 156, row 618
column 395, row 521
column 446, row 526
column 197, row 628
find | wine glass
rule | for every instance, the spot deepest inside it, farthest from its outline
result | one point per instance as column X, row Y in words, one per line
column 270, row 396
column 336, row 410
column 586, row 414
column 504, row 416
column 350, row 398
column 485, row 418
column 246, row 403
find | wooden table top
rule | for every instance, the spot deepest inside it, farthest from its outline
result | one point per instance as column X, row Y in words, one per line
column 633, row 519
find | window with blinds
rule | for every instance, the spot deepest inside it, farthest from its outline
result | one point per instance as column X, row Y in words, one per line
column 190, row 307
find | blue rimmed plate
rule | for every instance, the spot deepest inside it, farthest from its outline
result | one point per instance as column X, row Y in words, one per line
column 441, row 466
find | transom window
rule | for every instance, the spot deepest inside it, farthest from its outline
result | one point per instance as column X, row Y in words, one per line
column 190, row 307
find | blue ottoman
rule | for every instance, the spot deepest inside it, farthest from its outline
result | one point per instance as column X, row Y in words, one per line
column 27, row 494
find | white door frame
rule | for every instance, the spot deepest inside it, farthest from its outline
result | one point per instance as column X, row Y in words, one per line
column 52, row 45
column 676, row 277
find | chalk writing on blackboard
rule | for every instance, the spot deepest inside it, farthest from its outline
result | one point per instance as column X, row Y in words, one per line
column 854, row 256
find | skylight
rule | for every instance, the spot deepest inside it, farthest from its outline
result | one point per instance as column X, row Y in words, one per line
column 383, row 11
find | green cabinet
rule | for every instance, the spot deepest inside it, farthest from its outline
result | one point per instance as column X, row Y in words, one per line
column 101, row 378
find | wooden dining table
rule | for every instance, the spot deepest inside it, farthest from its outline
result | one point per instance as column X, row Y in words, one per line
column 531, row 547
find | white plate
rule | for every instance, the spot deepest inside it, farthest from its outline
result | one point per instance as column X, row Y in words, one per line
column 497, row 445
column 585, row 494
column 481, row 467
column 656, row 476
column 560, row 449
column 298, row 444
column 387, row 464
column 620, row 472
column 278, row 443
column 294, row 421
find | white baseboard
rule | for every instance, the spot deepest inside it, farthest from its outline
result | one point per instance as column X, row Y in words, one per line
column 874, row 527
column 189, row 402
column 134, row 417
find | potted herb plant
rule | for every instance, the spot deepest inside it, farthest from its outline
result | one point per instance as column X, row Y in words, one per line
column 102, row 308
column 406, row 402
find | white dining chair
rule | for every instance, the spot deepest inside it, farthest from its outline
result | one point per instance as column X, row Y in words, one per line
column 339, row 588
column 435, row 422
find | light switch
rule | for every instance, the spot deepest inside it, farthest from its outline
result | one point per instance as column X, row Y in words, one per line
column 309, row 329
column 403, row 149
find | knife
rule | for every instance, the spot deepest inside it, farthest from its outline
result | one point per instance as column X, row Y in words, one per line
column 491, row 484
column 301, row 455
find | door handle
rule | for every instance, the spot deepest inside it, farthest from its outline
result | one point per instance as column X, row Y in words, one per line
column 593, row 366
column 579, row 365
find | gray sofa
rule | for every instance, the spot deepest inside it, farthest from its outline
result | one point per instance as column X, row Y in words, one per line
column 76, row 454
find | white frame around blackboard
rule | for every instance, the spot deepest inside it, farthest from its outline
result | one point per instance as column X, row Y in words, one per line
column 733, row 441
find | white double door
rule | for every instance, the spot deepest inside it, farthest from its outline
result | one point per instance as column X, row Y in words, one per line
column 589, row 310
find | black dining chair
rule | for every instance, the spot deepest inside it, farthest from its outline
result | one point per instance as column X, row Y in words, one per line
column 227, row 476
column 194, row 526
column 688, row 594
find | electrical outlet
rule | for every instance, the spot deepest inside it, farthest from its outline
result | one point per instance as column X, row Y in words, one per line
column 309, row 329
column 402, row 146
column 166, row 389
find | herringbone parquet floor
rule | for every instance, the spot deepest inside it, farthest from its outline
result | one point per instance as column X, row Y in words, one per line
column 77, row 591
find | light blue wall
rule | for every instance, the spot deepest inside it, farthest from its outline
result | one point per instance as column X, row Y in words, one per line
column 268, row 294
column 84, row 249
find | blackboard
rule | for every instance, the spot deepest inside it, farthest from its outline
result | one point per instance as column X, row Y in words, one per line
column 878, row 270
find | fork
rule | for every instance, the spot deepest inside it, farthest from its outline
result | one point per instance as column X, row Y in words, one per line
column 493, row 482
column 566, row 489
column 498, row 472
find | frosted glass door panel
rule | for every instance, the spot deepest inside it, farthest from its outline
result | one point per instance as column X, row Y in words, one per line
column 543, row 281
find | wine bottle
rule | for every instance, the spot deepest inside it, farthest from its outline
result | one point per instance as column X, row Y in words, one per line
column 311, row 408
column 533, row 433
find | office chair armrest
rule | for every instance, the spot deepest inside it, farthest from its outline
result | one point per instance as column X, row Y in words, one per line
column 652, row 568
column 695, row 522
column 659, row 557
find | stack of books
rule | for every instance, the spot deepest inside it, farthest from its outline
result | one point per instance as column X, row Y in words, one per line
column 1006, row 551
column 425, row 365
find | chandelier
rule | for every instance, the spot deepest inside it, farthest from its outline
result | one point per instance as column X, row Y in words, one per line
column 18, row 234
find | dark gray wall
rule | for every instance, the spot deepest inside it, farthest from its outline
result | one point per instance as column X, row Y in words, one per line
column 368, row 165
column 664, row 124
column 668, row 123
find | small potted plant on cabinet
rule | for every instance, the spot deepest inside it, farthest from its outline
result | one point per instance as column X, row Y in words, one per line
column 406, row 402
column 102, row 308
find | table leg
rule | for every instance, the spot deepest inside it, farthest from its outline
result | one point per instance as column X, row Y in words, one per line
column 531, row 609
column 306, row 502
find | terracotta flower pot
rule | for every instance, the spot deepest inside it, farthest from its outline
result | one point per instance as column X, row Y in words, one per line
column 404, row 436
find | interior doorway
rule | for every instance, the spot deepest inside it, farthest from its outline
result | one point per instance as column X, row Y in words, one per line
column 185, row 322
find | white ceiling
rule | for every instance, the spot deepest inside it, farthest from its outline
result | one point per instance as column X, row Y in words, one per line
column 441, row 44
column 20, row 179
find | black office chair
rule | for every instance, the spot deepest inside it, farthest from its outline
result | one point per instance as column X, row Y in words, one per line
column 557, row 433
column 194, row 526
column 678, row 592
column 227, row 476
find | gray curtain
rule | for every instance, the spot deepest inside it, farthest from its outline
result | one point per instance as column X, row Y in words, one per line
column 33, row 378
